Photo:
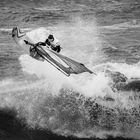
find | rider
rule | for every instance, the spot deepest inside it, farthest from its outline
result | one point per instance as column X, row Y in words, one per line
column 52, row 42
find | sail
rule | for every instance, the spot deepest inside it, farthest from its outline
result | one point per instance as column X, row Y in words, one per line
column 75, row 67
column 67, row 65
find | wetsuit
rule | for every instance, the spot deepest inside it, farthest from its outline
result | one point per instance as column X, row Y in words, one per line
column 55, row 45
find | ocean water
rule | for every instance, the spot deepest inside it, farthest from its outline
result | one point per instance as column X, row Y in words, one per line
column 39, row 102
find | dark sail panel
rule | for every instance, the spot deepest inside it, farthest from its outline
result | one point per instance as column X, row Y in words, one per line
column 75, row 67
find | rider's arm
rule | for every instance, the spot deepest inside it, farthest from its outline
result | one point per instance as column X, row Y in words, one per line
column 56, row 47
column 41, row 43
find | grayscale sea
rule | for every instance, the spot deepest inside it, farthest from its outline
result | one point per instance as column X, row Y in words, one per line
column 38, row 102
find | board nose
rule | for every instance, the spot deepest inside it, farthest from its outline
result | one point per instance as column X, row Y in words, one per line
column 14, row 31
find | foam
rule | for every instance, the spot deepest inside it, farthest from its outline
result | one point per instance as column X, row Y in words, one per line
column 45, row 103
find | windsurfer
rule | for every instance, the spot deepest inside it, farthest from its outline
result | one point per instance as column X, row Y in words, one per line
column 51, row 42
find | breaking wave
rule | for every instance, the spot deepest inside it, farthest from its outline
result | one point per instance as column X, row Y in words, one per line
column 81, row 105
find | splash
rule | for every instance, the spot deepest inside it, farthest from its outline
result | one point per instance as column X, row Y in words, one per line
column 130, row 71
column 79, row 107
column 82, row 105
column 76, row 37
column 72, row 110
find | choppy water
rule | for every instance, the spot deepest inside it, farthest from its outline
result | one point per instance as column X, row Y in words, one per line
column 36, row 100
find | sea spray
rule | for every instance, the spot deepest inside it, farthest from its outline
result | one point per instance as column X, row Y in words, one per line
column 74, row 105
